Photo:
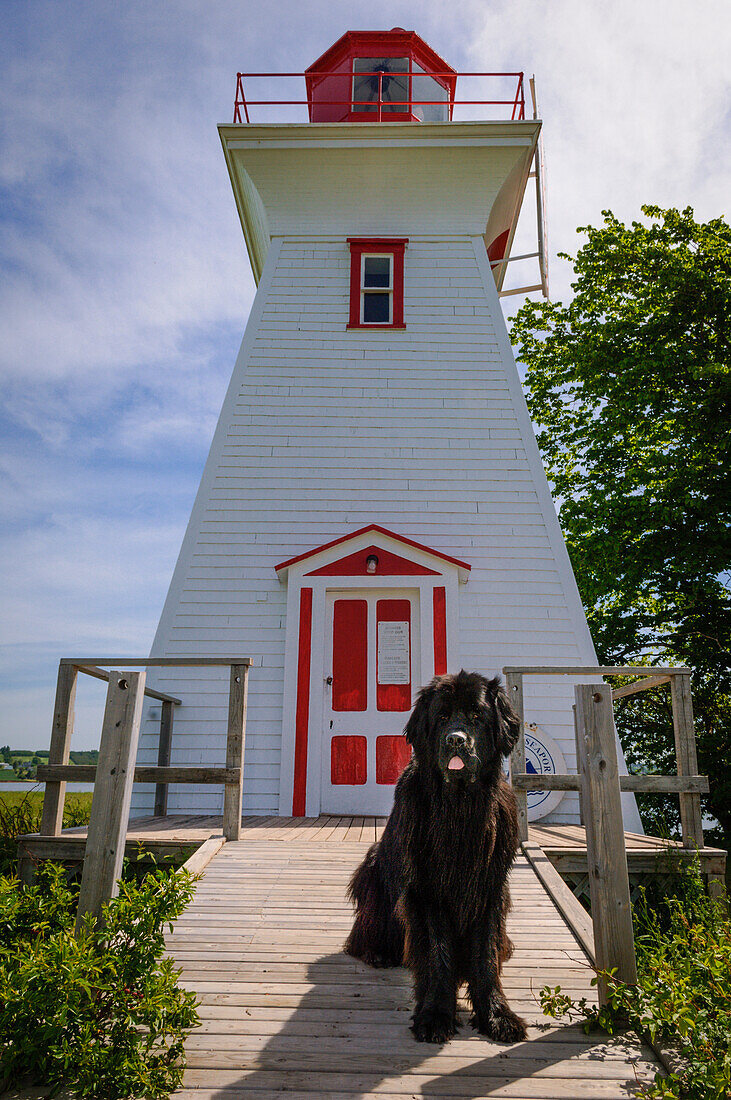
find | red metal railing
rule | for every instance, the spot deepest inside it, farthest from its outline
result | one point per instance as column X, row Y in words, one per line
column 380, row 107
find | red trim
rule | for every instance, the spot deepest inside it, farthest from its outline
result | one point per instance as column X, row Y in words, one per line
column 386, row 244
column 348, row 760
column 496, row 251
column 440, row 631
column 394, row 245
column 393, row 753
column 382, row 531
column 302, row 713
column 354, row 318
column 350, row 655
column 389, row 565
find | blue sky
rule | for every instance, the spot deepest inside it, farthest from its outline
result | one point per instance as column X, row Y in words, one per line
column 124, row 281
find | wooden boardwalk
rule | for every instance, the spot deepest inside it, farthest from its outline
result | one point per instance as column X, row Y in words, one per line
column 285, row 1012
column 192, row 829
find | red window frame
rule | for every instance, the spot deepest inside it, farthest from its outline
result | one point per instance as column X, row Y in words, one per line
column 377, row 246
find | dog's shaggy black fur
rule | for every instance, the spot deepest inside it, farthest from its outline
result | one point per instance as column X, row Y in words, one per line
column 433, row 894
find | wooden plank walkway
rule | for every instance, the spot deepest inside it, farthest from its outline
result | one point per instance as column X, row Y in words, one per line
column 285, row 1012
column 195, row 828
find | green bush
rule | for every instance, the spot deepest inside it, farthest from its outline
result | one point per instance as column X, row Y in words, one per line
column 101, row 1013
column 683, row 995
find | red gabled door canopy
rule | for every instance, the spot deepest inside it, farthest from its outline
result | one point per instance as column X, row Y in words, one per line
column 393, row 564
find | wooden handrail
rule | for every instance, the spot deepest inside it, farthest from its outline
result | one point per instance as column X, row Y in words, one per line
column 600, row 787
column 102, row 674
column 54, row 774
column 164, row 755
column 688, row 784
column 597, row 670
column 644, row 684
column 86, row 773
column 116, row 771
column 639, row 784
column 156, row 662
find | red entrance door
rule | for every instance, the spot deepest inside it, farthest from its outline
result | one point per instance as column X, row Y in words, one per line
column 372, row 649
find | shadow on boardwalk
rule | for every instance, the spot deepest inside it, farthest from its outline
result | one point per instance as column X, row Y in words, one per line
column 348, row 1037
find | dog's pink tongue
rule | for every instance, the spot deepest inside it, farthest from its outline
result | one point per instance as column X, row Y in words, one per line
column 455, row 764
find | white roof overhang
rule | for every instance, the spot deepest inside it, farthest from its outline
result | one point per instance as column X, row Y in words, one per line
column 347, row 179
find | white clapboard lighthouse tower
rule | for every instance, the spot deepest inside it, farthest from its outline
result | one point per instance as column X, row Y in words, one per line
column 373, row 509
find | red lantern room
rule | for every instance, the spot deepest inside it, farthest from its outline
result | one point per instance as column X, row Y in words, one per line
column 380, row 76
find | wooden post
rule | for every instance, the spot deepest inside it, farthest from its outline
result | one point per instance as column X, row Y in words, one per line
column 112, row 792
column 26, row 870
column 685, row 752
column 514, row 684
column 163, row 757
column 54, row 795
column 606, row 855
column 582, row 815
column 233, row 792
column 716, row 884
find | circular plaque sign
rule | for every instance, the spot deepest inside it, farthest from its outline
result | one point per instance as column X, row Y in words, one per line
column 542, row 757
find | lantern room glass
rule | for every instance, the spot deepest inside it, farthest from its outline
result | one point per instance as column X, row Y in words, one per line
column 405, row 89
column 426, row 88
column 390, row 75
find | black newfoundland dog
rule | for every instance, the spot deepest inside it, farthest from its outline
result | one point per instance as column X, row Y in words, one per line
column 432, row 894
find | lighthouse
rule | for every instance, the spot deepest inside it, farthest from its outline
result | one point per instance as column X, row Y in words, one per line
column 373, row 510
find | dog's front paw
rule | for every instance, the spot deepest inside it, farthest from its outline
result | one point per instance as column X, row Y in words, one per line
column 433, row 1025
column 381, row 961
column 503, row 1026
column 507, row 948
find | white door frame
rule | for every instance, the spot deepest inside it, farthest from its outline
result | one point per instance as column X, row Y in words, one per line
column 368, row 798
column 306, row 658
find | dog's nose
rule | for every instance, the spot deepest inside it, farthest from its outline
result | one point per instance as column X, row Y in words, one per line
column 456, row 739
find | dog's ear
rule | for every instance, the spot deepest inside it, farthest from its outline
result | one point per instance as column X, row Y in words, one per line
column 417, row 726
column 507, row 719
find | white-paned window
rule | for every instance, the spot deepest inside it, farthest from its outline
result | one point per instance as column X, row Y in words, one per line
column 376, row 289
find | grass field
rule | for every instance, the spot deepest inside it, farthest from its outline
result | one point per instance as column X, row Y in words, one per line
column 20, row 812
column 76, row 803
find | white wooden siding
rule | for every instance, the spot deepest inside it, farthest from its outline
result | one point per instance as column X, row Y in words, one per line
column 323, row 431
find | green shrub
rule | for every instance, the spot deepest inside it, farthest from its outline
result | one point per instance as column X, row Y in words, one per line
column 100, row 1014
column 683, row 995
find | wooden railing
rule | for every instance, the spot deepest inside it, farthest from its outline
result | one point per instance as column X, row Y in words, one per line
column 600, row 787
column 116, row 772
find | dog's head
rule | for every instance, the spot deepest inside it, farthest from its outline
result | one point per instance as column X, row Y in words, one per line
column 462, row 725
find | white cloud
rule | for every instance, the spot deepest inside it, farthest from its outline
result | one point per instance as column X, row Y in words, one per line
column 634, row 98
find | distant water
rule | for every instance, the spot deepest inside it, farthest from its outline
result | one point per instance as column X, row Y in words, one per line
column 72, row 788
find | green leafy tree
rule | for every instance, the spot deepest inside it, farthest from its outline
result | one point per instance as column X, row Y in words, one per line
column 629, row 385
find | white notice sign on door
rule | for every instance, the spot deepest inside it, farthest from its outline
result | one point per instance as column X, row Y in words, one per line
column 394, row 663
